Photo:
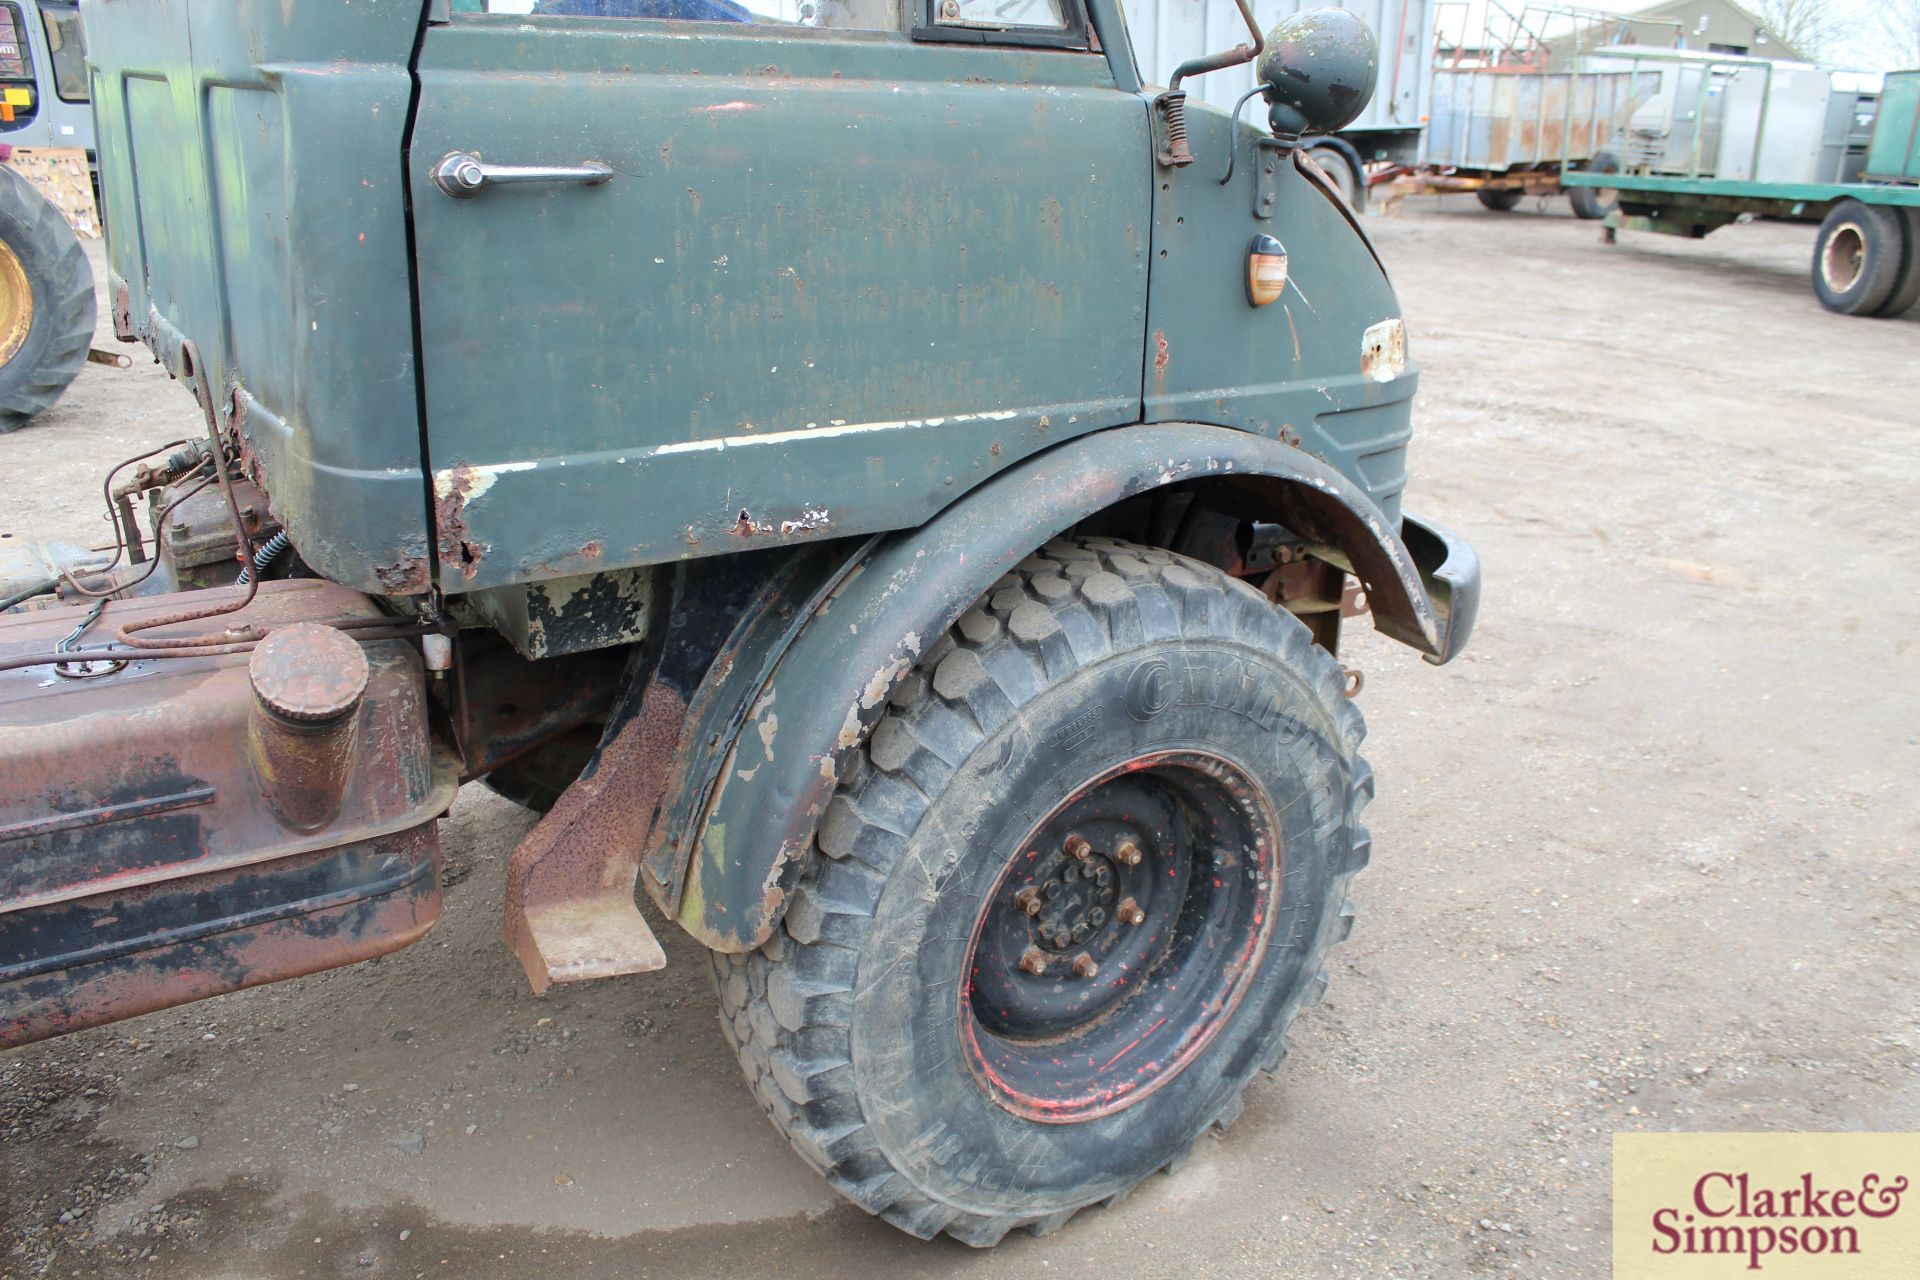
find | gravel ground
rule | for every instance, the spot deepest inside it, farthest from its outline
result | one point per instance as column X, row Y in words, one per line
column 1643, row 860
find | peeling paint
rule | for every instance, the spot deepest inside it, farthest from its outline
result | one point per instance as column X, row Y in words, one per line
column 1383, row 350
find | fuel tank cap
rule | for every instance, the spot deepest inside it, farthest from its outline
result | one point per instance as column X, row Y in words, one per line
column 308, row 673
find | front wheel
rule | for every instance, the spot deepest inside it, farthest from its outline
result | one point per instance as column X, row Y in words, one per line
column 1067, row 902
column 1500, row 199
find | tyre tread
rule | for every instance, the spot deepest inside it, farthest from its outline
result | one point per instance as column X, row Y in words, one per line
column 1070, row 603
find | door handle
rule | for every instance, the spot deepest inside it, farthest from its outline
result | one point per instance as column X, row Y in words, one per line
column 462, row 175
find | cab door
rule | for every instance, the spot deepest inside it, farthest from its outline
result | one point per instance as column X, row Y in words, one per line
column 695, row 277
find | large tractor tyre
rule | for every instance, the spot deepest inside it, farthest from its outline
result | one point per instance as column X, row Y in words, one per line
column 1906, row 289
column 46, row 303
column 1500, row 199
column 1346, row 176
column 1592, row 203
column 1857, row 259
column 1066, row 903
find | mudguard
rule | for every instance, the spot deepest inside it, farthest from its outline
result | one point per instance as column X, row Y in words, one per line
column 737, row 864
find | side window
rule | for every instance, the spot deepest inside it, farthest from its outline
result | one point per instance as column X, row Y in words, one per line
column 845, row 15
column 1046, row 24
column 68, row 49
column 1002, row 15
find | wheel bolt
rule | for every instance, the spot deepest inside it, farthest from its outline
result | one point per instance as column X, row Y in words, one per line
column 1129, row 912
column 1084, row 965
column 1077, row 847
column 1028, row 900
column 1128, row 854
column 1034, row 961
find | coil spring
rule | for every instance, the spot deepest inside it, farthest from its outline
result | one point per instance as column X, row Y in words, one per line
column 269, row 549
column 1173, row 107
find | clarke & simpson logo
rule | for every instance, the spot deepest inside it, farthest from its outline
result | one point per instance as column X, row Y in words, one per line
column 1785, row 1205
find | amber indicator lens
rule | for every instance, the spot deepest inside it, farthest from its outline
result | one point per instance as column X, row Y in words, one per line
column 1266, row 270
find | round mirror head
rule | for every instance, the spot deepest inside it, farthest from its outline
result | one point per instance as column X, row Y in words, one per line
column 1319, row 69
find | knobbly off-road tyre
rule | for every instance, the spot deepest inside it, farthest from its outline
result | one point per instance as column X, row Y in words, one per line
column 1116, row 693
column 1857, row 258
column 46, row 303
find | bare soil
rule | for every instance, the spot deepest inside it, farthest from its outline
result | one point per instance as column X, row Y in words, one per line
column 1644, row 859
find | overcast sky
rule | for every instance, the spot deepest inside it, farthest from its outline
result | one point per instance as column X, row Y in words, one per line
column 1866, row 49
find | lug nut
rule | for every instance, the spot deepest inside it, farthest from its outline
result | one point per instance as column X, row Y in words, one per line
column 1028, row 900
column 1128, row 854
column 1033, row 961
column 1077, row 847
column 1084, row 965
column 1129, row 912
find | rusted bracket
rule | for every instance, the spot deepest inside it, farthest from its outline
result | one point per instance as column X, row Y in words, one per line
column 571, row 912
column 1269, row 154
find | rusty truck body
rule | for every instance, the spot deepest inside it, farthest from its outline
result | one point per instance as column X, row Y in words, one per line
column 842, row 462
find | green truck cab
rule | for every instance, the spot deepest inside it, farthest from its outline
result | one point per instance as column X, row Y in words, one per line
column 882, row 481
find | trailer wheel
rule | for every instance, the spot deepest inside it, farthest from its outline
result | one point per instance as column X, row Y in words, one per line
column 1857, row 259
column 1500, row 199
column 1906, row 291
column 1591, row 203
column 1066, row 903
column 46, row 302
column 1339, row 167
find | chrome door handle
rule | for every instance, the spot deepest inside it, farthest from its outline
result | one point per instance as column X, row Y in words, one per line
column 463, row 176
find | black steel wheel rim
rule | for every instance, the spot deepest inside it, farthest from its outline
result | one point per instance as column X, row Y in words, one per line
column 1120, row 936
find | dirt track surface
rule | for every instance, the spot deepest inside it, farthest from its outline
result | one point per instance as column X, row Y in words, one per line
column 1644, row 858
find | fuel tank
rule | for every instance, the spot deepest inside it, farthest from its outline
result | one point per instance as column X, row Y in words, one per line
column 183, row 827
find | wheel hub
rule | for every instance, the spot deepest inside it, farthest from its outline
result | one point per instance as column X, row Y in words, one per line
column 1124, row 926
column 16, row 305
column 1844, row 258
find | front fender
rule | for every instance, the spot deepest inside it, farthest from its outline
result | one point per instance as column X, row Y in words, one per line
column 831, row 683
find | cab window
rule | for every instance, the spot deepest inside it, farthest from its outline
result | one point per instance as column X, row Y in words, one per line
column 1001, row 15
column 846, row 15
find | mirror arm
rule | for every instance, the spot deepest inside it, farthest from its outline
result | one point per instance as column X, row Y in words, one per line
column 1171, row 106
column 1220, row 61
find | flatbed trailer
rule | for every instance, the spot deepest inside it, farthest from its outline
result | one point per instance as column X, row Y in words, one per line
column 1865, row 262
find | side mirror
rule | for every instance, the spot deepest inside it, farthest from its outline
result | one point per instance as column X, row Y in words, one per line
column 1319, row 71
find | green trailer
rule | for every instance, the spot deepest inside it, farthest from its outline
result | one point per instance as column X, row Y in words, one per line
column 1866, row 261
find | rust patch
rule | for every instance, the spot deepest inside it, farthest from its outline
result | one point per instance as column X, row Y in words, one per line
column 409, row 575
column 570, row 912
column 747, row 527
column 1162, row 355
column 123, row 313
column 457, row 547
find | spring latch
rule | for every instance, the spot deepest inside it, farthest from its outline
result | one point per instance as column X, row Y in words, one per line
column 1172, row 109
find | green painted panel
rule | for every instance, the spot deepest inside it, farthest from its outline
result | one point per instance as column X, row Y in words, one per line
column 1894, row 151
column 250, row 163
column 1293, row 368
column 836, row 280
column 1809, row 193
